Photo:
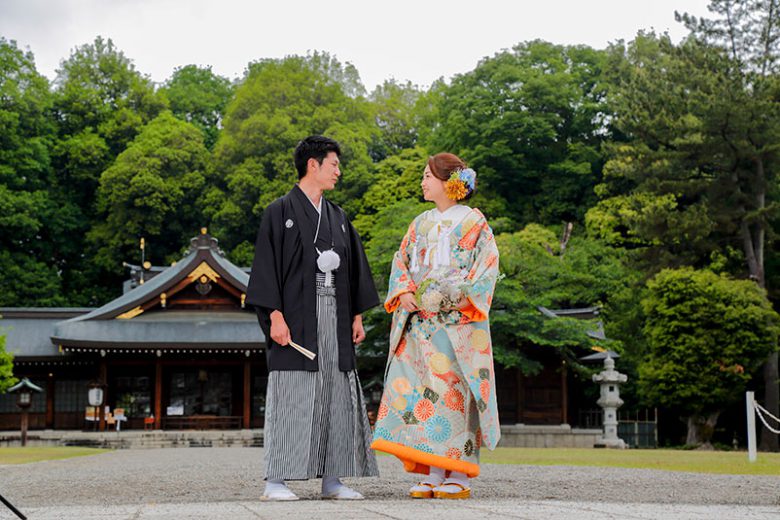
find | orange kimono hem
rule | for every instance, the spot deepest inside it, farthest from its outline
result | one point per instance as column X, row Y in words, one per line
column 416, row 461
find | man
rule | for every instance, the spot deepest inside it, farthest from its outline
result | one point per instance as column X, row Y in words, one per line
column 310, row 284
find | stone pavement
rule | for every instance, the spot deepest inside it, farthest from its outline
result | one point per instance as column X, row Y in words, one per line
column 404, row 509
column 214, row 483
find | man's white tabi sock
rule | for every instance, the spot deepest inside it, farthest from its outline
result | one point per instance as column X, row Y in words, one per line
column 332, row 487
column 278, row 490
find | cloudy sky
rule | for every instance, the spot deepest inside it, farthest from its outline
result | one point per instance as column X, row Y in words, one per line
column 417, row 40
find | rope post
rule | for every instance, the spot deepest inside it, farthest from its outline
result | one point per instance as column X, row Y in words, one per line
column 751, row 425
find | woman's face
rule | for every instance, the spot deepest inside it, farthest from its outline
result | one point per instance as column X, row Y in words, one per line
column 432, row 187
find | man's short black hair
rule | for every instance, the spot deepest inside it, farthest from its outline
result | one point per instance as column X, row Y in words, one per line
column 313, row 147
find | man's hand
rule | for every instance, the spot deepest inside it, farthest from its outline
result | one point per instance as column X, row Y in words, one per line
column 358, row 333
column 408, row 302
column 280, row 332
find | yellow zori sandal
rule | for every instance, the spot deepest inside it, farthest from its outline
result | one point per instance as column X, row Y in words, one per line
column 422, row 490
column 442, row 492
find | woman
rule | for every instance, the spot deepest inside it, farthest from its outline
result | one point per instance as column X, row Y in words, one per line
column 439, row 403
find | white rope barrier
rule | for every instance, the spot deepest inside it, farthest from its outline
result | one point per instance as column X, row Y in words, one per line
column 761, row 411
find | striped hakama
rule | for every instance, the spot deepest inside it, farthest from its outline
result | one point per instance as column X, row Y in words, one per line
column 316, row 423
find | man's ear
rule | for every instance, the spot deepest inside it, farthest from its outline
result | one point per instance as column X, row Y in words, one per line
column 312, row 165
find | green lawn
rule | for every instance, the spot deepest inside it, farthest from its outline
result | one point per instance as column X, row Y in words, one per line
column 36, row 454
column 723, row 462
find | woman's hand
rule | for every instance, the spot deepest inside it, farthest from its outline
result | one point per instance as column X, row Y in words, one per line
column 462, row 304
column 408, row 302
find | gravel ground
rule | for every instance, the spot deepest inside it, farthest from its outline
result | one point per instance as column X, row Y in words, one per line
column 195, row 475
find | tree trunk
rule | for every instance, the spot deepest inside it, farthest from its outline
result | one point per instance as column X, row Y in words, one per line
column 769, row 440
column 753, row 237
column 700, row 430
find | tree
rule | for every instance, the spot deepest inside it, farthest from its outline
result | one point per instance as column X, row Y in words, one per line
column 396, row 178
column 698, row 173
column 278, row 103
column 706, row 335
column 749, row 30
column 199, row 96
column 101, row 102
column 541, row 270
column 28, row 203
column 531, row 121
column 396, row 115
column 152, row 191
column 7, row 379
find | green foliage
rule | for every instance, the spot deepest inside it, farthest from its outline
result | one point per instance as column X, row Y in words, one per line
column 396, row 178
column 382, row 234
column 100, row 105
column 29, row 210
column 396, row 115
column 7, row 379
column 531, row 121
column 199, row 96
column 706, row 335
column 152, row 191
column 278, row 103
column 537, row 275
column 699, row 167
column 27, row 282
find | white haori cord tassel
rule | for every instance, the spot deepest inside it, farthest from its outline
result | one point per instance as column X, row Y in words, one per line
column 415, row 267
column 442, row 258
column 328, row 261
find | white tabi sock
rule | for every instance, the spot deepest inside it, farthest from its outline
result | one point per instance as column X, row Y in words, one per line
column 332, row 487
column 435, row 476
column 454, row 478
column 278, row 490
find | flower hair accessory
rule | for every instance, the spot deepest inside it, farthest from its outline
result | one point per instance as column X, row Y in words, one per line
column 460, row 184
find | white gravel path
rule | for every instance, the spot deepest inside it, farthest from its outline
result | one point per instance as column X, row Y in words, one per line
column 206, row 475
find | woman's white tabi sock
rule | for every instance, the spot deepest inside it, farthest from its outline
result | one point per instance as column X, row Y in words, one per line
column 454, row 478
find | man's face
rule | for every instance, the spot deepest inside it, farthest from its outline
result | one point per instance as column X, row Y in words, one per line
column 327, row 174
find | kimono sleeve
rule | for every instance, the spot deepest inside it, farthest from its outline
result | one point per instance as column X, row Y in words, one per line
column 362, row 288
column 400, row 278
column 265, row 281
column 482, row 276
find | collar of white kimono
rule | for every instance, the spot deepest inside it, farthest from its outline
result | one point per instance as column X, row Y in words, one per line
column 454, row 213
column 442, row 257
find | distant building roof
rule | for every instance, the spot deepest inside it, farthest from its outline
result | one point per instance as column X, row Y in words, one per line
column 138, row 319
column 164, row 329
column 582, row 313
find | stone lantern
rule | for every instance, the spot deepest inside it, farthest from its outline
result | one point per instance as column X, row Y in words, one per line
column 610, row 381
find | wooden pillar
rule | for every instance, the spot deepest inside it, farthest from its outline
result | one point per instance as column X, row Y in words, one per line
column 564, row 394
column 157, row 394
column 247, row 393
column 103, row 378
column 50, row 402
column 25, row 424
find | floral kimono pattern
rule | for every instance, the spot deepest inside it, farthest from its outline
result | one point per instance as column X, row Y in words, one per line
column 439, row 402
